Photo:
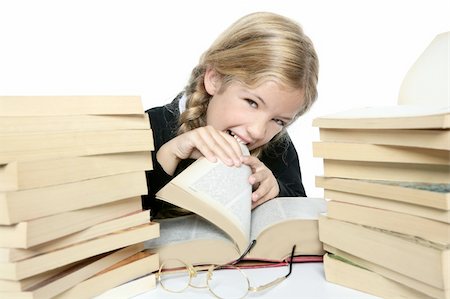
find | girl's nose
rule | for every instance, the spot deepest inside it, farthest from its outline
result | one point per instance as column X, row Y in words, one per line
column 257, row 129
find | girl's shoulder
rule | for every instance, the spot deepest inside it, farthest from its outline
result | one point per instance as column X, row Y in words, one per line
column 164, row 122
column 282, row 150
column 165, row 116
column 168, row 109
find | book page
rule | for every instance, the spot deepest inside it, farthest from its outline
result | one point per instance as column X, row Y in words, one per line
column 185, row 228
column 283, row 208
column 229, row 187
column 440, row 188
column 216, row 192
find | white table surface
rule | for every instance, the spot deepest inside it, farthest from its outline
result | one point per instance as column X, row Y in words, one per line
column 307, row 280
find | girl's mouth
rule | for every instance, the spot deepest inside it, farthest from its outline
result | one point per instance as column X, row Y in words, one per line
column 236, row 137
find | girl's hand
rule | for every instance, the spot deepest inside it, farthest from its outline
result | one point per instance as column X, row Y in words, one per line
column 204, row 141
column 264, row 183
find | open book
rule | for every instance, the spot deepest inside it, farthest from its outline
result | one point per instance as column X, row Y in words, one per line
column 225, row 225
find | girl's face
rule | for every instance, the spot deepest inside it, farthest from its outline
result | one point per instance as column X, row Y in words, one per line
column 252, row 115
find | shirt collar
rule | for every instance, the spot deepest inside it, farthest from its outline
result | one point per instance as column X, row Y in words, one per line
column 182, row 103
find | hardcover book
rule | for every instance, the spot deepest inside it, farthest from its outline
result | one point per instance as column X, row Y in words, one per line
column 225, row 225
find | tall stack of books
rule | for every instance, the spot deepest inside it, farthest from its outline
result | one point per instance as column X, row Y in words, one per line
column 387, row 182
column 72, row 170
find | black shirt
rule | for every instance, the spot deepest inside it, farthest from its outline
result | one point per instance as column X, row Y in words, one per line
column 281, row 158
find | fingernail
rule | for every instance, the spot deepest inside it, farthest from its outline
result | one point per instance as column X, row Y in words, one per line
column 254, row 197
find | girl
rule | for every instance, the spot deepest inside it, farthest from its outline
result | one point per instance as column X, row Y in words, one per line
column 257, row 78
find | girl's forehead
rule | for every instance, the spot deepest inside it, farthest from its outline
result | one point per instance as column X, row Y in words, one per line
column 275, row 90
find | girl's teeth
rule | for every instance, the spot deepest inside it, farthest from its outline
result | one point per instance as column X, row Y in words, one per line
column 239, row 139
column 236, row 137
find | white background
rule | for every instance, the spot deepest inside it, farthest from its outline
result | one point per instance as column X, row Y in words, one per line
column 148, row 48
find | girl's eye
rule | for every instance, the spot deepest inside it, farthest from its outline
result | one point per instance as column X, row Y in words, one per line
column 280, row 122
column 252, row 103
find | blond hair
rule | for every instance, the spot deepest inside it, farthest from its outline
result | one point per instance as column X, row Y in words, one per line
column 255, row 48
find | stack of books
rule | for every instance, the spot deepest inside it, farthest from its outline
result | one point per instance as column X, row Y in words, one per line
column 387, row 181
column 72, row 170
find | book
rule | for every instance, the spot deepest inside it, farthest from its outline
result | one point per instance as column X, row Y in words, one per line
column 38, row 264
column 379, row 153
column 134, row 267
column 108, row 227
column 427, row 262
column 33, row 232
column 23, row 284
column 397, row 206
column 68, row 123
column 407, row 172
column 421, row 138
column 378, row 271
column 198, row 241
column 222, row 195
column 17, row 206
column 428, row 195
column 130, row 289
column 418, row 227
column 344, row 273
column 34, row 174
column 69, row 105
column 428, row 78
column 74, row 275
column 388, row 117
column 51, row 145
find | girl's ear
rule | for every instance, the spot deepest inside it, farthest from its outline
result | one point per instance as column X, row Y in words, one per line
column 211, row 81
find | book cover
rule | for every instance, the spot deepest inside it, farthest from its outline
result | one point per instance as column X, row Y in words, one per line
column 76, row 252
column 33, row 232
column 387, row 273
column 134, row 267
column 68, row 278
column 353, row 276
column 69, row 105
column 17, row 206
column 388, row 117
column 424, row 261
column 422, row 194
column 420, row 138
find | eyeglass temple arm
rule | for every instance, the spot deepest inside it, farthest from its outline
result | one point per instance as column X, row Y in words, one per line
column 291, row 261
column 267, row 285
column 250, row 246
column 278, row 280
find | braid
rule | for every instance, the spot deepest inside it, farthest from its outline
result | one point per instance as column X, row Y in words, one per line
column 197, row 102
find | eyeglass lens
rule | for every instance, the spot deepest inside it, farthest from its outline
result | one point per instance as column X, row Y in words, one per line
column 228, row 283
column 174, row 276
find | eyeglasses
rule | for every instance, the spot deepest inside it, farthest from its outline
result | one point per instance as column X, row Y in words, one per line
column 176, row 276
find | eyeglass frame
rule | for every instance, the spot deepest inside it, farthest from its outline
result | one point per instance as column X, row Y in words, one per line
column 192, row 271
